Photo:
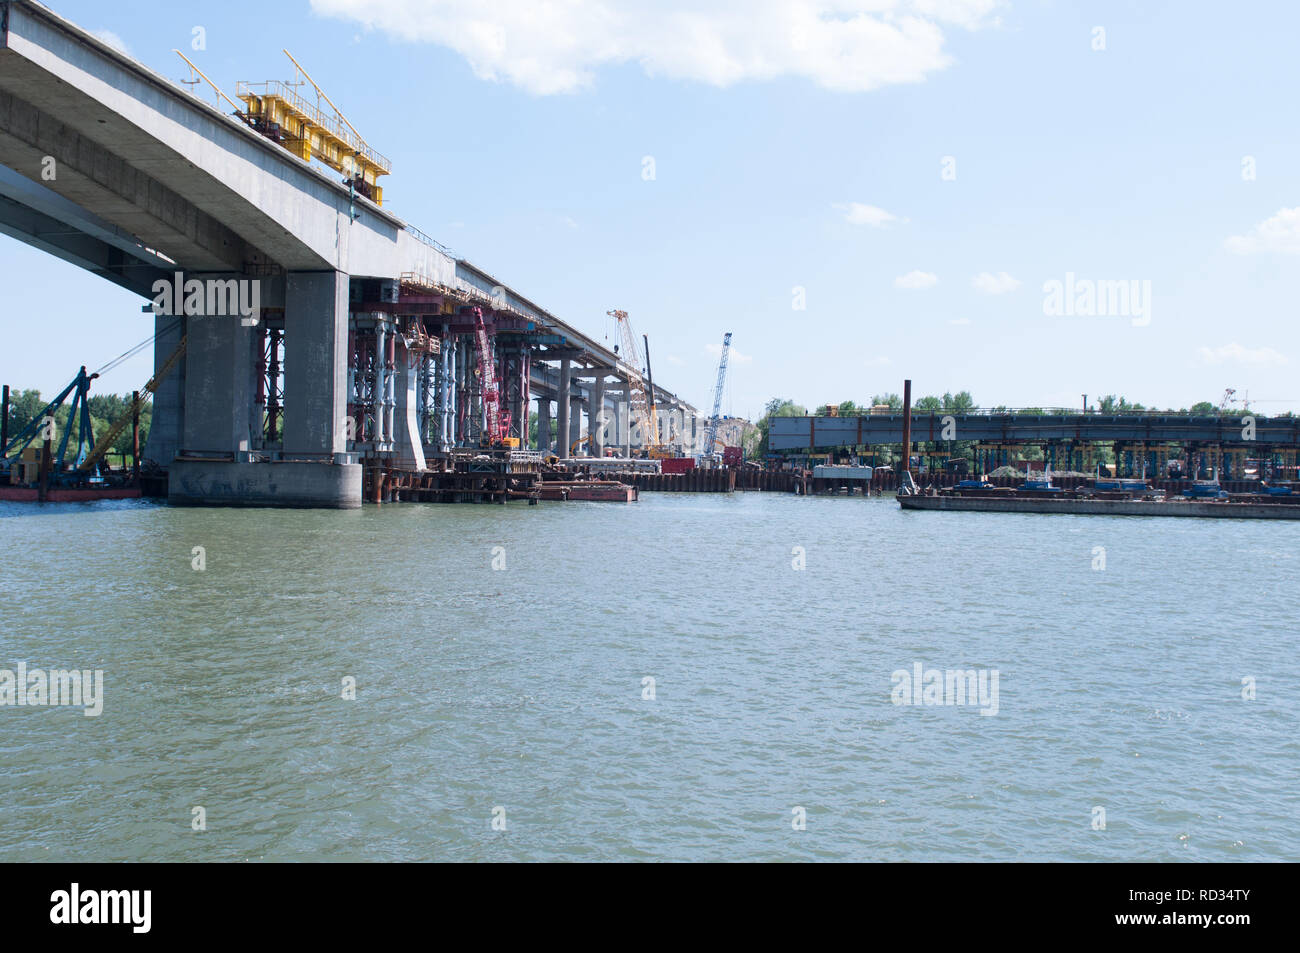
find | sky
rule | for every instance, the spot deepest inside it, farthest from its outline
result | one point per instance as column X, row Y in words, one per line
column 861, row 192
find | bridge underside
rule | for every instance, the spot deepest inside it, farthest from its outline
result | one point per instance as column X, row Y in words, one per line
column 394, row 381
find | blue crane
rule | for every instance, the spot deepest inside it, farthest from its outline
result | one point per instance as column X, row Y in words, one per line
column 709, row 451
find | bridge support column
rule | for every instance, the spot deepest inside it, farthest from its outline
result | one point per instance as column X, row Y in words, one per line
column 575, row 423
column 406, row 435
column 612, row 431
column 220, row 386
column 315, row 363
column 543, row 423
column 598, row 417
column 563, row 409
column 169, row 399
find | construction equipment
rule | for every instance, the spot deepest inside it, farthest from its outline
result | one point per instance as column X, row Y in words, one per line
column 709, row 451
column 142, row 398
column 641, row 406
column 42, row 425
column 498, row 422
column 1230, row 398
column 276, row 110
column 239, row 110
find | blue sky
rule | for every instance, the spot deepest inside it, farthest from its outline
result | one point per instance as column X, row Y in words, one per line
column 800, row 145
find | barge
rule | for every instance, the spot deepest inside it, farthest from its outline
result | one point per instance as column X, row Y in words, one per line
column 1105, row 498
column 596, row 491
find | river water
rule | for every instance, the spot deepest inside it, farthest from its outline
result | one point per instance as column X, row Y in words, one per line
column 516, row 697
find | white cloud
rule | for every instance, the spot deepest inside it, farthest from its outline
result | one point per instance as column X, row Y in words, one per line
column 569, row 222
column 855, row 213
column 916, row 280
column 113, row 40
column 1281, row 233
column 674, row 359
column 960, row 321
column 1236, row 354
column 876, row 362
column 546, row 48
column 992, row 284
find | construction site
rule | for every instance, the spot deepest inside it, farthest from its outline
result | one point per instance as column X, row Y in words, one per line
column 310, row 349
column 290, row 369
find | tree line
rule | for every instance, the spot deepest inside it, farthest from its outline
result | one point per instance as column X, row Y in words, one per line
column 105, row 409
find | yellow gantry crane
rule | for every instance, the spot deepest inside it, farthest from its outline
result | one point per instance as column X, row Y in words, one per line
column 275, row 109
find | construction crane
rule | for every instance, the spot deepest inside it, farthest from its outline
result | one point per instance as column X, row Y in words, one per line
column 111, row 434
column 498, row 421
column 709, row 451
column 275, row 109
column 641, row 406
column 1230, row 398
column 78, row 419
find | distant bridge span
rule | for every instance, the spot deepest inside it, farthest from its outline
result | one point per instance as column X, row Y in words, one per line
column 813, row 433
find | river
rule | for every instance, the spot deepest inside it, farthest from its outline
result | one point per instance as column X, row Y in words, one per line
column 1146, row 673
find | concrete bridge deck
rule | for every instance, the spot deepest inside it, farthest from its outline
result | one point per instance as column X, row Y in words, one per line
column 118, row 170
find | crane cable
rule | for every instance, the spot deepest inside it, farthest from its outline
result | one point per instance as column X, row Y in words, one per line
column 127, row 355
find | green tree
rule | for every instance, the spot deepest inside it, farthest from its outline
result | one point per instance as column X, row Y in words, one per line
column 845, row 408
column 105, row 409
column 776, row 407
column 959, row 403
column 23, row 406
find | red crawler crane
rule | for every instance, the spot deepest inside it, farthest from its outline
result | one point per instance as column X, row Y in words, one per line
column 498, row 422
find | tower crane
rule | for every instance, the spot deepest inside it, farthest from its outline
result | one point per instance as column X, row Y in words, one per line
column 709, row 452
column 641, row 406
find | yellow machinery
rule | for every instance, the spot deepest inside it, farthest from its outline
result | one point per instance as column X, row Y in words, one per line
column 277, row 111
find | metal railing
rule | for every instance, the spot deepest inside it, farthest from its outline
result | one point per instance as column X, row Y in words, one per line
column 1048, row 412
column 313, row 114
column 431, row 242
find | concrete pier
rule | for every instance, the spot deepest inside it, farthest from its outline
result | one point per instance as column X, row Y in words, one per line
column 200, row 482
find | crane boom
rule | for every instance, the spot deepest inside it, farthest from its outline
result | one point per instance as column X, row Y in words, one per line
column 498, row 424
column 711, row 431
column 111, row 434
column 640, row 406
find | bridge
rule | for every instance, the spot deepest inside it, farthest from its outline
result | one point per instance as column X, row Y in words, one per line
column 1143, row 437
column 809, row 433
column 363, row 345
